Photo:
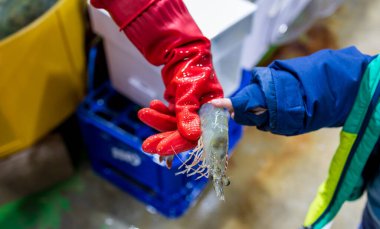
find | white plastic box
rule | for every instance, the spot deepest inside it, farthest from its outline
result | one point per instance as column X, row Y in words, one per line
column 225, row 22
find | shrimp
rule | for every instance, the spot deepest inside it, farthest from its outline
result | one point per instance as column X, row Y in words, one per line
column 210, row 158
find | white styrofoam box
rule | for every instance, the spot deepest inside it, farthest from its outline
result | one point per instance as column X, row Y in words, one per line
column 225, row 22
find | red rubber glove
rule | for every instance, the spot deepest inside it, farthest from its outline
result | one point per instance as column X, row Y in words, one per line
column 166, row 34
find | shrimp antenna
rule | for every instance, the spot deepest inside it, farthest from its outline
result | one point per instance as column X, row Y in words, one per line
column 193, row 155
column 176, row 154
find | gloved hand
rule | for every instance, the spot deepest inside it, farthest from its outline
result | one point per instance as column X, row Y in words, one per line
column 166, row 34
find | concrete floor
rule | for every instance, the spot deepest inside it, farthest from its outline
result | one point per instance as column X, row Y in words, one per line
column 273, row 178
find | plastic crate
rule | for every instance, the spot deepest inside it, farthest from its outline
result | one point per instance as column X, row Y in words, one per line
column 113, row 135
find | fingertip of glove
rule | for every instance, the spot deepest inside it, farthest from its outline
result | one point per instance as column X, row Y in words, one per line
column 160, row 107
column 148, row 149
column 142, row 113
column 155, row 102
column 174, row 144
column 150, row 144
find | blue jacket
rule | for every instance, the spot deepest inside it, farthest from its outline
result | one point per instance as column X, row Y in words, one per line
column 322, row 90
column 302, row 94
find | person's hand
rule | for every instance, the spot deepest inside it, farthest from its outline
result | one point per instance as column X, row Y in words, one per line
column 224, row 103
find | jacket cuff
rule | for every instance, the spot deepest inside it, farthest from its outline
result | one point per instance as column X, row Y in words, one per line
column 284, row 100
column 249, row 98
column 263, row 77
column 286, row 105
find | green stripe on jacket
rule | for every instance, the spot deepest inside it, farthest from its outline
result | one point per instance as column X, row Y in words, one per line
column 331, row 196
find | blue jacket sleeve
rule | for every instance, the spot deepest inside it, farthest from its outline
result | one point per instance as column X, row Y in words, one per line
column 303, row 94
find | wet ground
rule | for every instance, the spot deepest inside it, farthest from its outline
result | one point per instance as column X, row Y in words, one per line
column 274, row 178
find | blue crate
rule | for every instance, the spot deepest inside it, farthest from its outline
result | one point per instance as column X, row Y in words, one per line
column 113, row 136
